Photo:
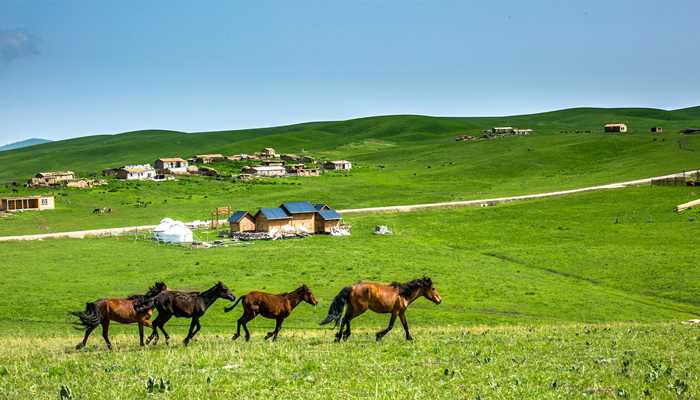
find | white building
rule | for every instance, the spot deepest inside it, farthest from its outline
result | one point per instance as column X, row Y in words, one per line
column 266, row 170
column 174, row 165
column 136, row 172
column 338, row 165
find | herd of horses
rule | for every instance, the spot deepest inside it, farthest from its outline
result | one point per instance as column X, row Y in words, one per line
column 393, row 298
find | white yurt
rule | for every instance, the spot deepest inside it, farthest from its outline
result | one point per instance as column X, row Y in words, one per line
column 171, row 231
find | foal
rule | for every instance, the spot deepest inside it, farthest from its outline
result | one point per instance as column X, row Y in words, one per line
column 393, row 298
column 101, row 311
column 183, row 305
column 274, row 306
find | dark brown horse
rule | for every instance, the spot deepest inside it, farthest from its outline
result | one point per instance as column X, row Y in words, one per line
column 183, row 305
column 380, row 298
column 102, row 311
column 274, row 306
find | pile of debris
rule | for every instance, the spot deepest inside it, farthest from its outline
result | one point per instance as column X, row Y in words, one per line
column 462, row 138
column 341, row 230
column 382, row 230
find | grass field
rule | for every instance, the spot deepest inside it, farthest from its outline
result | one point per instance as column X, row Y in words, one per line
column 398, row 160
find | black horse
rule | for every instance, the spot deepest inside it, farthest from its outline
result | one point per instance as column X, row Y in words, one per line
column 183, row 305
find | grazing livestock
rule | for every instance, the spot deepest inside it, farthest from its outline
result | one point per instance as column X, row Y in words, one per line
column 380, row 298
column 102, row 311
column 183, row 305
column 274, row 306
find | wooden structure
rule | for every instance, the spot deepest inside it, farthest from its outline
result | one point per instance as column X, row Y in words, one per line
column 326, row 219
column 303, row 215
column 685, row 206
column 175, row 165
column 271, row 220
column 218, row 214
column 27, row 203
column 338, row 165
column 615, row 128
column 656, row 129
column 241, row 221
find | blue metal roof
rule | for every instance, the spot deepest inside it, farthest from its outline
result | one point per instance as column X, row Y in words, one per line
column 329, row 215
column 297, row 207
column 274, row 213
column 237, row 216
column 320, row 206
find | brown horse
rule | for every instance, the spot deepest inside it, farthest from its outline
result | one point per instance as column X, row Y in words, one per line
column 183, row 305
column 393, row 298
column 274, row 306
column 102, row 311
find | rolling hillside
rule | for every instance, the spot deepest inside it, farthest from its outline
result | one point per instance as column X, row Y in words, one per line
column 398, row 160
column 22, row 144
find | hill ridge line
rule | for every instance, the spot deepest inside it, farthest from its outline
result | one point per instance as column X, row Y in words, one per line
column 398, row 208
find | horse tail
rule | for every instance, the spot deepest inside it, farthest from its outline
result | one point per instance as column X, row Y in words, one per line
column 336, row 309
column 90, row 318
column 228, row 309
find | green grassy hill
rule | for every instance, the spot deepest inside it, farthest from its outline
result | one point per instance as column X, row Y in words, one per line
column 398, row 160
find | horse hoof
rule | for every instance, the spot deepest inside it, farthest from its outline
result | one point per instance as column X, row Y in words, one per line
column 78, row 347
column 409, row 338
column 234, row 337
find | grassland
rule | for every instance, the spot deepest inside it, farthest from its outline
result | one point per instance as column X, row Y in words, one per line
column 398, row 160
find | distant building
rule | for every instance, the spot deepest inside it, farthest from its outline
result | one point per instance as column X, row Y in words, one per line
column 615, row 128
column 208, row 158
column 174, row 165
column 326, row 219
column 522, row 132
column 502, row 130
column 53, row 178
column 272, row 163
column 268, row 152
column 136, row 172
column 303, row 215
column 338, row 165
column 265, row 170
column 27, row 203
column 290, row 157
column 301, row 170
column 657, row 129
column 241, row 221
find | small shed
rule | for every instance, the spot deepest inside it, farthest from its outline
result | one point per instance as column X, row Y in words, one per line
column 241, row 221
column 27, row 203
column 265, row 170
column 271, row 220
column 656, row 129
column 338, row 165
column 615, row 128
column 326, row 220
column 303, row 214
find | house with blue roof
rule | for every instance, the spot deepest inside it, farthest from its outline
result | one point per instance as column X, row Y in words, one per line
column 299, row 215
column 241, row 221
column 271, row 219
column 326, row 219
column 303, row 214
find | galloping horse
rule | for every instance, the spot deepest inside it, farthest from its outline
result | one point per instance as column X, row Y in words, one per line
column 393, row 298
column 183, row 305
column 274, row 306
column 116, row 309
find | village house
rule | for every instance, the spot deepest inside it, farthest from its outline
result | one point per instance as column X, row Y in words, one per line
column 208, row 158
column 308, row 160
column 338, row 165
column 326, row 219
column 27, row 203
column 241, row 221
column 85, row 183
column 522, row 132
column 303, row 214
column 136, row 172
column 53, row 178
column 502, row 130
column 271, row 220
column 290, row 157
column 615, row 128
column 657, row 129
column 268, row 152
column 272, row 163
column 301, row 170
column 175, row 165
column 265, row 170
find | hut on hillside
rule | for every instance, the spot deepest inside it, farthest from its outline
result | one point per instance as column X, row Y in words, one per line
column 174, row 165
column 326, row 219
column 615, row 128
column 271, row 220
column 265, row 170
column 136, row 172
column 338, row 165
column 241, row 221
column 303, row 214
column 656, row 129
column 301, row 170
column 27, row 203
column 268, row 152
column 53, row 178
column 208, row 158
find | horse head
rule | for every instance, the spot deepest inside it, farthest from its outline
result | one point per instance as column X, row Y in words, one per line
column 307, row 296
column 429, row 291
column 224, row 292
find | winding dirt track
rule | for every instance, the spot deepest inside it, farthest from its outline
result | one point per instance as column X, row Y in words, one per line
column 404, row 208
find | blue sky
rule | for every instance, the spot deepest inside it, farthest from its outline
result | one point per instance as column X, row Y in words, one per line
column 75, row 68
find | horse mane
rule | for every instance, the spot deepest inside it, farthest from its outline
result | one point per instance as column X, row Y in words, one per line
column 408, row 288
column 299, row 290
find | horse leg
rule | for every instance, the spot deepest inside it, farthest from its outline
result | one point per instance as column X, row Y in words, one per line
column 273, row 334
column 190, row 334
column 154, row 333
column 88, row 331
column 105, row 333
column 381, row 334
column 161, row 325
column 402, row 315
column 141, row 334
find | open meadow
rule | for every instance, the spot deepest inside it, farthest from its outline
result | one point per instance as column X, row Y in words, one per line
column 558, row 298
